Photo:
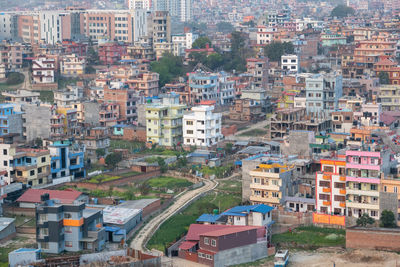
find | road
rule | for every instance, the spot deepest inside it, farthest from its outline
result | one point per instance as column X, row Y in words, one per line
column 141, row 239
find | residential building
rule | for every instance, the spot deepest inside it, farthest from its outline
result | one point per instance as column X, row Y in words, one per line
column 23, row 256
column 258, row 69
column 68, row 227
column 43, row 70
column 322, row 94
column 125, row 98
column 203, row 86
column 139, row 4
column 2, row 72
column 68, row 96
column 226, row 89
column 332, row 39
column 10, row 120
column 290, row 63
column 330, row 186
column 265, row 35
column 342, row 121
column 202, row 127
column 111, row 53
column 72, row 65
column 284, row 120
column 109, row 114
column 36, row 121
column 271, row 183
column 164, row 121
column 32, row 197
column 21, row 96
column 67, row 159
column 245, row 110
column 181, row 42
column 93, row 139
column 11, row 55
column 146, row 83
column 365, row 169
column 159, row 31
column 389, row 97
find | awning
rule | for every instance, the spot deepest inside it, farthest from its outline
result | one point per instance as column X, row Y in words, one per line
column 187, row 245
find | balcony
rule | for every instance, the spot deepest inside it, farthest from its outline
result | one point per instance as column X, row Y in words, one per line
column 273, row 200
column 260, row 173
column 357, row 205
column 326, row 203
column 265, row 187
column 342, row 191
column 326, row 177
column 342, row 178
column 371, row 193
column 326, row 190
column 342, row 204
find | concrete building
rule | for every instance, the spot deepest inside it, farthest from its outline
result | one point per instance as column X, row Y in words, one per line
column 265, row 35
column 164, row 121
column 389, row 97
column 146, row 83
column 202, row 127
column 43, row 70
column 330, row 187
column 123, row 218
column 68, row 96
column 125, row 98
column 68, row 227
column 10, row 120
column 258, row 69
column 290, row 64
column 322, row 94
column 181, row 42
column 72, row 65
column 245, row 110
column 159, row 32
column 7, row 228
column 226, row 88
column 24, row 256
column 203, row 86
column 2, row 72
column 271, row 183
column 21, row 96
column 139, row 4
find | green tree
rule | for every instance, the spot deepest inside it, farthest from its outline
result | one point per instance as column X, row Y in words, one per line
column 201, row 42
column 144, row 188
column 275, row 50
column 14, row 78
column 214, row 61
column 225, row 27
column 229, row 148
column 113, row 159
column 364, row 220
column 168, row 67
column 161, row 163
column 100, row 152
column 342, row 11
column 387, row 219
column 110, row 191
column 384, row 77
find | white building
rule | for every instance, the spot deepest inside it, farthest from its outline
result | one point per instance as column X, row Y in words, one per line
column 226, row 88
column 2, row 72
column 265, row 35
column 43, row 70
column 51, row 28
column 139, row 4
column 180, row 42
column 181, row 9
column 202, row 127
column 290, row 63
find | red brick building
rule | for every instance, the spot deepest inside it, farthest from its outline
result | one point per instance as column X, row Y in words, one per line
column 111, row 53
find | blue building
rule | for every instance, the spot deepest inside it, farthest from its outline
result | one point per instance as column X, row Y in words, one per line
column 10, row 120
column 67, row 159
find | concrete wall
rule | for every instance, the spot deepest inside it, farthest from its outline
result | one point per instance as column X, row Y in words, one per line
column 383, row 239
column 37, row 122
column 92, row 110
column 240, row 255
column 388, row 201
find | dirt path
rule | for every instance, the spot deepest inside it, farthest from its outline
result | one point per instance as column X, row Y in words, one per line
column 141, row 239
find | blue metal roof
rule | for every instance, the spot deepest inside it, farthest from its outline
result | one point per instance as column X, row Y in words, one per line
column 244, row 210
column 112, row 228
column 211, row 218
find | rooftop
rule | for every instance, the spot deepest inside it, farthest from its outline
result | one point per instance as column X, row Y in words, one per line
column 118, row 215
column 65, row 196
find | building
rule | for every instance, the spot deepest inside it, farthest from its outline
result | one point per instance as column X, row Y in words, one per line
column 21, row 96
column 271, row 183
column 68, row 227
column 32, row 197
column 164, row 121
column 284, row 120
column 24, row 256
column 322, row 94
column 332, row 39
column 181, row 42
column 258, row 69
column 126, row 100
column 330, row 187
column 290, row 63
column 202, row 127
column 72, row 65
column 178, row 9
column 365, row 169
column 111, row 53
column 43, row 70
column 245, row 110
column 139, row 4
column 146, row 83
column 10, row 120
column 67, row 159
column 265, row 35
column 203, row 86
column 218, row 245
column 7, row 229
column 389, row 96
column 123, row 218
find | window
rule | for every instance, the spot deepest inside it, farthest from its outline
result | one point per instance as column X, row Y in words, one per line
column 32, row 172
column 67, row 215
column 44, row 245
column 328, row 169
column 201, row 255
column 43, row 159
column 5, row 163
column 4, row 151
column 189, row 122
column 39, row 170
column 214, row 242
column 206, row 241
column 374, row 213
column 395, row 189
column 68, row 244
column 68, row 229
column 189, row 131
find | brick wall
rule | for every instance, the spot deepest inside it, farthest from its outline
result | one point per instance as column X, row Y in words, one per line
column 19, row 211
column 293, row 218
column 230, row 130
column 383, row 239
column 131, row 134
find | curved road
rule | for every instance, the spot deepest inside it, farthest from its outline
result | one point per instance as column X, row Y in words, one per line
column 141, row 239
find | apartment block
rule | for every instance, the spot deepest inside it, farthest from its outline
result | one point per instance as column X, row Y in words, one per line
column 271, row 183
column 202, row 127
column 164, row 121
column 125, row 98
column 10, row 120
column 68, row 227
column 290, row 63
column 258, row 69
column 111, row 53
column 203, row 86
column 245, row 110
column 365, row 169
column 11, row 55
column 389, row 97
column 72, row 65
column 146, row 83
column 43, row 70
column 330, row 186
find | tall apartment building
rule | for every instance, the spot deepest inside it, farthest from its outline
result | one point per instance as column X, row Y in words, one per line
column 10, row 120
column 68, row 227
column 226, row 89
column 203, row 86
column 258, row 69
column 389, row 97
column 159, row 32
column 270, row 183
column 9, row 23
column 125, row 98
column 202, row 127
column 139, row 4
column 164, row 121
column 365, row 169
column 367, row 53
column 322, row 94
column 181, row 42
column 330, row 186
column 182, row 10
column 11, row 55
column 146, row 83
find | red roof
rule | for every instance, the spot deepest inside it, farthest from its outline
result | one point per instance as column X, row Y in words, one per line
column 65, row 196
column 208, row 102
column 196, row 230
column 187, row 245
column 231, row 230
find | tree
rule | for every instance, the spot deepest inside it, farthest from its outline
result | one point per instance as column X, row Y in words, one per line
column 14, row 78
column 113, row 159
column 229, row 148
column 168, row 67
column 161, row 163
column 384, row 77
column 144, row 188
column 225, row 27
column 342, row 11
column 387, row 219
column 214, row 61
column 364, row 220
column 100, row 152
column 110, row 191
column 201, row 42
column 275, row 50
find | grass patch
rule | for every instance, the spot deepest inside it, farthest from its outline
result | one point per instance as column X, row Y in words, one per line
column 177, row 226
column 310, row 237
column 151, row 160
column 219, row 172
column 168, row 182
column 101, row 178
column 254, row 132
column 46, row 96
column 22, row 220
column 127, row 174
column 132, row 146
column 230, row 186
column 260, row 262
column 16, row 243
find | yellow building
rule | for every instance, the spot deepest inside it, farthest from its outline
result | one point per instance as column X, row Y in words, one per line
column 164, row 121
column 270, row 183
column 72, row 65
column 32, row 166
